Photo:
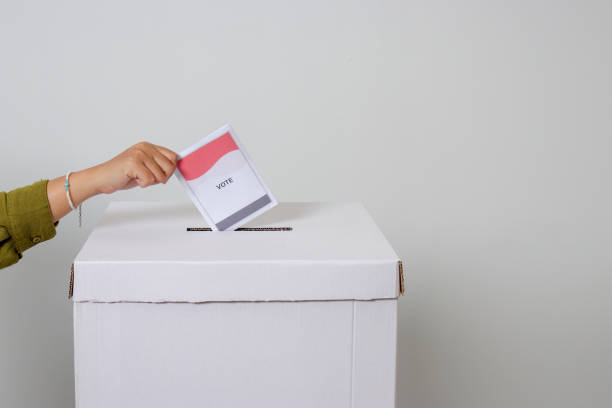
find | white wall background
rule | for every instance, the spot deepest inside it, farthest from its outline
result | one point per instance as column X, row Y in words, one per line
column 478, row 134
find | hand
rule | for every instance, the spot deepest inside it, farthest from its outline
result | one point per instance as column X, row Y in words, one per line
column 143, row 164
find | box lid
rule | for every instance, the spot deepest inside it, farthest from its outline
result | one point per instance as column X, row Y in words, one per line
column 144, row 252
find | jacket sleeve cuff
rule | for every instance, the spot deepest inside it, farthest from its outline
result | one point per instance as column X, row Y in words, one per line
column 29, row 216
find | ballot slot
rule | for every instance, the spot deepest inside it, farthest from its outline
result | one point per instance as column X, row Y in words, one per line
column 208, row 229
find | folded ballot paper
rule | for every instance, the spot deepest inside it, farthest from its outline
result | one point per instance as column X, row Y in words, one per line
column 222, row 182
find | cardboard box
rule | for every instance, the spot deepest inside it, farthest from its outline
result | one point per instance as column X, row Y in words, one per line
column 299, row 309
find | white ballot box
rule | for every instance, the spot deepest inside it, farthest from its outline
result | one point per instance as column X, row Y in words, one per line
column 299, row 309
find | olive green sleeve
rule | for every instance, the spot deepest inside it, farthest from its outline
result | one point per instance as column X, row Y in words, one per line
column 25, row 220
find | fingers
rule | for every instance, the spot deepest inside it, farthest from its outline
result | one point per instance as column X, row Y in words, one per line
column 173, row 157
column 150, row 164
column 142, row 175
column 153, row 167
column 166, row 165
column 164, row 158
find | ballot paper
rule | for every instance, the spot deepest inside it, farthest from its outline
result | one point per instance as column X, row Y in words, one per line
column 222, row 181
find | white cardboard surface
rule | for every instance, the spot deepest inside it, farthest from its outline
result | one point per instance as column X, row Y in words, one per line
column 240, row 354
column 141, row 252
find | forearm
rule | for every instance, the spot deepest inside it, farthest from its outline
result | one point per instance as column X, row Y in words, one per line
column 28, row 214
column 141, row 165
column 83, row 185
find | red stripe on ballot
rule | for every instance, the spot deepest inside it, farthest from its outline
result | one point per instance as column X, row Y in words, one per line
column 200, row 161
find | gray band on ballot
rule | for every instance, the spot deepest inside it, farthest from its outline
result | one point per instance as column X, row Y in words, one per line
column 243, row 212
